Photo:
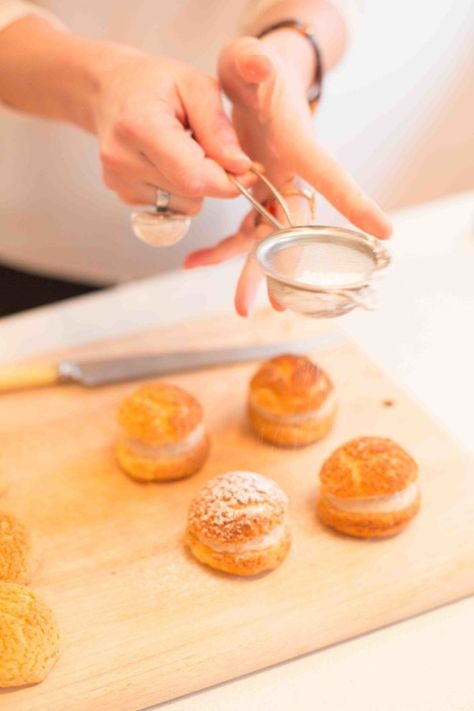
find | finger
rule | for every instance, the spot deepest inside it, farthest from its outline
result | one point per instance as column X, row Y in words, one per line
column 236, row 244
column 276, row 304
column 142, row 194
column 300, row 211
column 212, row 128
column 226, row 249
column 247, row 286
column 299, row 207
column 179, row 159
column 121, row 162
column 245, row 60
column 250, row 277
column 187, row 169
column 252, row 61
column 315, row 165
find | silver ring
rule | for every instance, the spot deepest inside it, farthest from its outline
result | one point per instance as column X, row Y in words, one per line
column 162, row 202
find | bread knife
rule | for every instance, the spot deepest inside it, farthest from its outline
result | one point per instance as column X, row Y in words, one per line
column 94, row 372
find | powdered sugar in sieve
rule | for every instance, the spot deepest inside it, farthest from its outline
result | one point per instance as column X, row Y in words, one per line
column 321, row 271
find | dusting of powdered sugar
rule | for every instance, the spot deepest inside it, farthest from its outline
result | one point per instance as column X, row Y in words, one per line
column 237, row 505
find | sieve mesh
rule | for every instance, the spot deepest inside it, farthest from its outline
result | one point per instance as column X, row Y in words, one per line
column 321, row 271
column 325, row 263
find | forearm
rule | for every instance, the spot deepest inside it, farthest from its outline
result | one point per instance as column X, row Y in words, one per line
column 326, row 24
column 51, row 73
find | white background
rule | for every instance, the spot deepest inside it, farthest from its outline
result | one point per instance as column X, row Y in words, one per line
column 399, row 110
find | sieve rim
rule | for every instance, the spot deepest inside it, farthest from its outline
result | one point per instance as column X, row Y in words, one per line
column 292, row 235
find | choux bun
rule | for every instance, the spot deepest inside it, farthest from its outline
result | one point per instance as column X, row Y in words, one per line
column 29, row 637
column 17, row 551
column 238, row 523
column 164, row 436
column 291, row 401
column 369, row 488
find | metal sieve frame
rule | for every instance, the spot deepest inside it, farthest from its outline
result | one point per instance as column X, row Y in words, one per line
column 289, row 237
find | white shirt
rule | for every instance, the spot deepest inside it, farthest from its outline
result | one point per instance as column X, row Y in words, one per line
column 56, row 217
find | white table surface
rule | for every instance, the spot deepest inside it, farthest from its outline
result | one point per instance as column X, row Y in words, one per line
column 423, row 336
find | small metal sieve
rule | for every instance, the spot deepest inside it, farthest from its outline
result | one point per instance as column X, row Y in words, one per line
column 315, row 270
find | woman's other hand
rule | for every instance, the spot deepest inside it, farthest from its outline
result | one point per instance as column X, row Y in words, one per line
column 161, row 123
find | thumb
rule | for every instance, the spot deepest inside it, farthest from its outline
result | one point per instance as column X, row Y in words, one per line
column 212, row 128
column 247, row 60
column 252, row 62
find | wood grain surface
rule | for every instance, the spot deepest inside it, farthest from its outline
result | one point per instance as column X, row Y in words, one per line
column 141, row 621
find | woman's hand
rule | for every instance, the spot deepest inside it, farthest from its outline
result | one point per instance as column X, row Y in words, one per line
column 161, row 124
column 275, row 127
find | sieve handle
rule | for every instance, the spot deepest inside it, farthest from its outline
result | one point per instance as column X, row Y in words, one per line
column 258, row 206
column 367, row 304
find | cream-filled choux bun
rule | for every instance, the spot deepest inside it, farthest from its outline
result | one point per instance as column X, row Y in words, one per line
column 238, row 523
column 29, row 637
column 164, row 436
column 18, row 554
column 369, row 488
column 291, row 401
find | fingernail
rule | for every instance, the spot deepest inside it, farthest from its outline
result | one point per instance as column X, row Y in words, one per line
column 190, row 262
column 241, row 308
column 258, row 166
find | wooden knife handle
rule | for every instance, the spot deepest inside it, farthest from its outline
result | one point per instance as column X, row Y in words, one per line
column 19, row 377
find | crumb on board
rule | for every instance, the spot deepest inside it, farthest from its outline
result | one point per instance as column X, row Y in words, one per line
column 388, row 402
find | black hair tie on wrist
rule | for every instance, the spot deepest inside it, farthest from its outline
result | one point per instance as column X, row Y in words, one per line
column 314, row 91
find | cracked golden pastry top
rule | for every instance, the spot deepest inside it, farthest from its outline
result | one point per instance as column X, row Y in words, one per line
column 237, row 507
column 16, row 550
column 158, row 413
column 367, row 466
column 29, row 637
column 290, row 384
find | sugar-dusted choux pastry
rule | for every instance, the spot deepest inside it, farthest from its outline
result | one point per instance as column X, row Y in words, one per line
column 164, row 436
column 18, row 557
column 369, row 488
column 29, row 637
column 238, row 523
column 291, row 401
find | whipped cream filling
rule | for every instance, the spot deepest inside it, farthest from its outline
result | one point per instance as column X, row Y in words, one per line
column 257, row 544
column 170, row 449
column 376, row 504
column 317, row 414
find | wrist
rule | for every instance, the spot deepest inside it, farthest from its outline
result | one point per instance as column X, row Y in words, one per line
column 95, row 65
column 48, row 72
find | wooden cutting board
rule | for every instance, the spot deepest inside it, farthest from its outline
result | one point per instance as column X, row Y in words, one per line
column 141, row 621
